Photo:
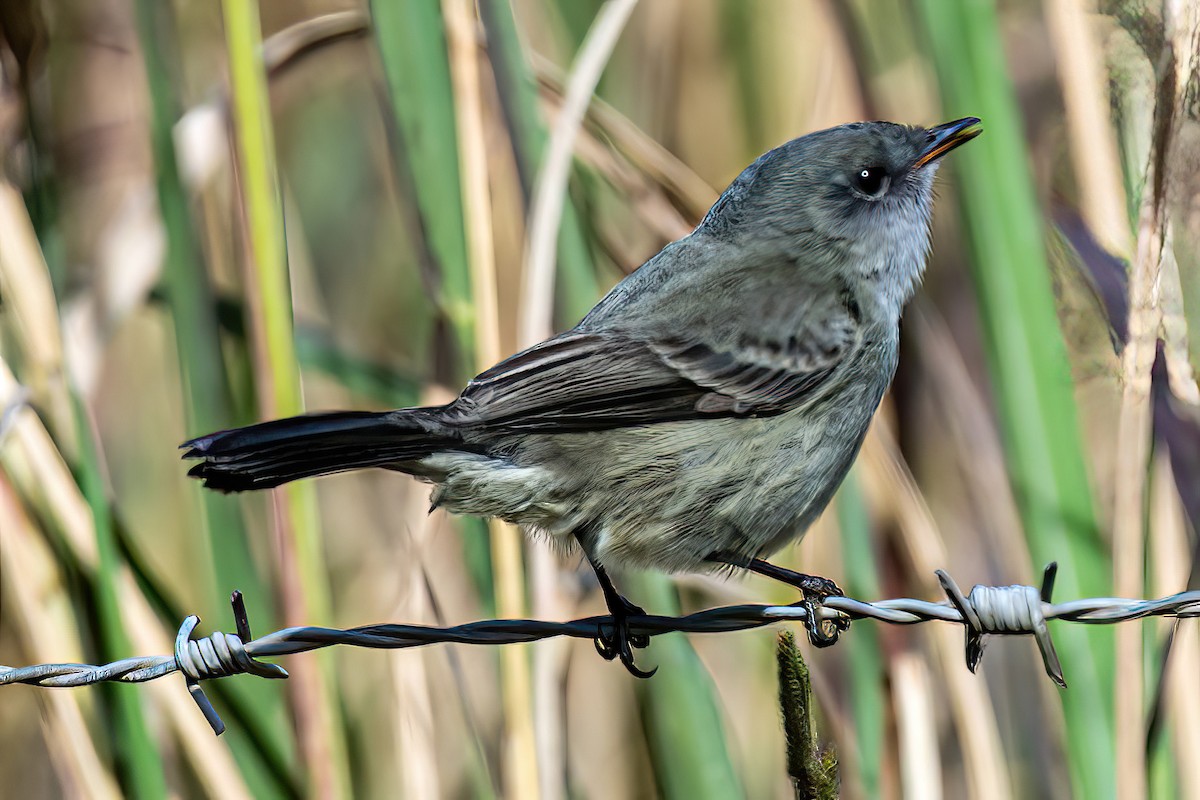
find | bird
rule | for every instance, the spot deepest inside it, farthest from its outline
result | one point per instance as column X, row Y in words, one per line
column 704, row 412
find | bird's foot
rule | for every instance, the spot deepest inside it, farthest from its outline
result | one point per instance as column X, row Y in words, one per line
column 615, row 640
column 822, row 631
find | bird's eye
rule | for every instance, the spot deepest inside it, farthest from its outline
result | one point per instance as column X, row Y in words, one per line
column 871, row 181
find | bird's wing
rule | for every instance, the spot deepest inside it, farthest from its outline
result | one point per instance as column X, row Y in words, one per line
column 593, row 380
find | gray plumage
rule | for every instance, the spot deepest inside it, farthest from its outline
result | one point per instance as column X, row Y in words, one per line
column 709, row 405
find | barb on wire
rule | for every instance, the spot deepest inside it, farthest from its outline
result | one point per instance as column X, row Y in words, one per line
column 986, row 610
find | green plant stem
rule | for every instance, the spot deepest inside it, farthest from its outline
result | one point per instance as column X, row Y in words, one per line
column 192, row 307
column 1027, row 359
column 814, row 771
column 412, row 47
column 137, row 755
column 868, row 705
column 207, row 396
column 576, row 284
column 679, row 710
column 280, row 391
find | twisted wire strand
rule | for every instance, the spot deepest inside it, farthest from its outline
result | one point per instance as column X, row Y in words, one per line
column 986, row 610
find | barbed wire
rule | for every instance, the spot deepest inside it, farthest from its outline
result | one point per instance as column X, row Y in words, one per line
column 986, row 610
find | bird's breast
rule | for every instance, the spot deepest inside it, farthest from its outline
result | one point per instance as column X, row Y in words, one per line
column 666, row 496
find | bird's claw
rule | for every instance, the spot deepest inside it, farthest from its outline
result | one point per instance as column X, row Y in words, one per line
column 822, row 631
column 614, row 640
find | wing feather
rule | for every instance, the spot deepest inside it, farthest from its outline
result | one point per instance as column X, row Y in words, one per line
column 594, row 380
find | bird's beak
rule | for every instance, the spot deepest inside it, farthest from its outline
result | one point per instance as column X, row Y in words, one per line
column 945, row 138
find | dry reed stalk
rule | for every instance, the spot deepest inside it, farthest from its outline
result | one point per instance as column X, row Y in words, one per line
column 535, row 315
column 303, row 580
column 33, row 586
column 1180, row 376
column 40, row 476
column 1171, row 561
column 520, row 775
column 916, row 723
column 970, row 706
column 550, row 190
column 1129, row 562
column 29, row 297
column 1093, row 142
column 1133, row 452
column 604, row 122
column 651, row 203
column 977, row 441
column 1181, row 20
column 416, row 752
column 1153, row 270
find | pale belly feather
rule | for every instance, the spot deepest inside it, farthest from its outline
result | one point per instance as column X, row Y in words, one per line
column 668, row 496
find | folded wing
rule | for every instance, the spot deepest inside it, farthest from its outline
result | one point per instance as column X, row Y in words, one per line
column 582, row 380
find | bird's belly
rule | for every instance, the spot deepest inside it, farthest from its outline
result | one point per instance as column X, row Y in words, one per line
column 668, row 496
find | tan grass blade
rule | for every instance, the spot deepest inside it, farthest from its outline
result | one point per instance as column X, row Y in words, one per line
column 650, row 200
column 519, row 749
column 1089, row 123
column 642, row 151
column 1182, row 25
column 886, row 475
column 973, row 430
column 35, row 605
column 416, row 754
column 29, row 297
column 916, row 723
column 1133, row 451
column 41, row 478
column 551, row 187
column 536, row 311
column 1153, row 260
column 1171, row 560
column 1174, row 324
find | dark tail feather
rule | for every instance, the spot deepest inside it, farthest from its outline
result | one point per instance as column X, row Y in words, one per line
column 271, row 453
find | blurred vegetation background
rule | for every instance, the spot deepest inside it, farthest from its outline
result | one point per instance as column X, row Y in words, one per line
column 214, row 213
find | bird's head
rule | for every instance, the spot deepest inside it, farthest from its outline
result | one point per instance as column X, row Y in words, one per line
column 856, row 197
column 841, row 182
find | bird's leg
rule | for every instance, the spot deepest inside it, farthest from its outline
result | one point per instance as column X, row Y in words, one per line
column 617, row 641
column 815, row 589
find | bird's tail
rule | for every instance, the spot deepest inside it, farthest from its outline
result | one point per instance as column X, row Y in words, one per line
column 271, row 453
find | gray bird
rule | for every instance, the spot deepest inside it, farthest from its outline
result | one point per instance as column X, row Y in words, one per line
column 703, row 414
